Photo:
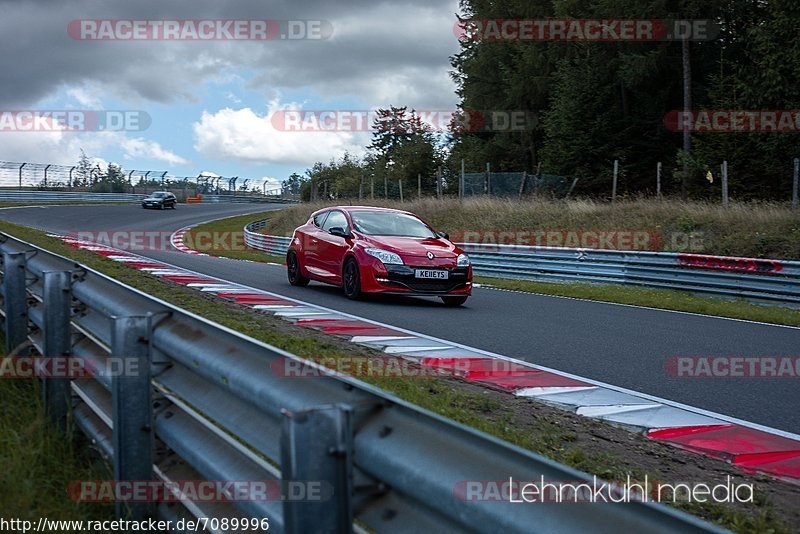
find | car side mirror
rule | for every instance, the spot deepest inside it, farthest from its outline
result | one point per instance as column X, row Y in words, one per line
column 341, row 232
column 444, row 235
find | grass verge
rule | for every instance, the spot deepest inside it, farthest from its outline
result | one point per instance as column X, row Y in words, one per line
column 231, row 244
column 38, row 462
column 591, row 446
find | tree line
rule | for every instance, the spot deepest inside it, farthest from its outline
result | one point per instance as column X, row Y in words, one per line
column 596, row 102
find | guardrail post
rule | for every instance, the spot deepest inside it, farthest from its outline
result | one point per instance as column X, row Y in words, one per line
column 57, row 299
column 15, row 300
column 132, row 409
column 317, row 455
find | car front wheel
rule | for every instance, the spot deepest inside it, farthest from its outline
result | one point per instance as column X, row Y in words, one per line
column 351, row 279
column 296, row 277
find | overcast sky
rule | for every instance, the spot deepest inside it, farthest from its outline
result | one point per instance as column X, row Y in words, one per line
column 211, row 102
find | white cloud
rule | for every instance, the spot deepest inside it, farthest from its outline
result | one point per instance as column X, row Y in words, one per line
column 246, row 136
column 85, row 97
column 139, row 147
column 62, row 148
column 233, row 98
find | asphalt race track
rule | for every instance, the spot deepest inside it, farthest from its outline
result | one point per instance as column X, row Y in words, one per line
column 621, row 345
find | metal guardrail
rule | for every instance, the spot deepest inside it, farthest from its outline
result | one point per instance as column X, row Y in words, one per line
column 272, row 244
column 246, row 198
column 65, row 196
column 205, row 405
column 773, row 281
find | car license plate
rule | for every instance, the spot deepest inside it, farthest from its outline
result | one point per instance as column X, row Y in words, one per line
column 431, row 274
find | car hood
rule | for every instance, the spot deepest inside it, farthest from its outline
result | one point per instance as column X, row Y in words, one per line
column 413, row 246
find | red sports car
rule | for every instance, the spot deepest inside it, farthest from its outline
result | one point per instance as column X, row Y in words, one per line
column 378, row 250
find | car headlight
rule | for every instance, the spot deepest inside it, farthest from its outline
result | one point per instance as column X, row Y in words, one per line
column 462, row 261
column 386, row 257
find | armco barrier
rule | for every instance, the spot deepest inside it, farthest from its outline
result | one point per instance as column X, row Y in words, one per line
column 67, row 196
column 773, row 281
column 205, row 405
column 272, row 244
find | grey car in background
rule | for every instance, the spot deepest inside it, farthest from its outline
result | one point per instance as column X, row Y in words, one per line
column 160, row 200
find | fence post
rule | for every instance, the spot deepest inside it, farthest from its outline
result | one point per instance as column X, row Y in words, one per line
column 400, row 186
column 439, row 182
column 522, row 184
column 57, row 301
column 658, row 180
column 132, row 409
column 15, row 300
column 724, row 184
column 614, row 186
column 419, row 186
column 372, row 187
column 487, row 184
column 537, row 178
column 796, row 183
column 20, row 174
column 461, row 181
column 317, row 448
column 361, row 188
column 571, row 188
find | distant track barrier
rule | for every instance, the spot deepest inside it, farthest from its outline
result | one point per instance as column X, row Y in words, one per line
column 764, row 280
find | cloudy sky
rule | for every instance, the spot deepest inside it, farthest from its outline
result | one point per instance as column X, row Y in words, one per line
column 211, row 102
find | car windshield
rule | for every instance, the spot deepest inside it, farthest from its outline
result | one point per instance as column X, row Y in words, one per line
column 390, row 224
column 159, row 195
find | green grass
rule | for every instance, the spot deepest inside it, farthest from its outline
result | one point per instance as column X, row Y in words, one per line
column 469, row 406
column 38, row 463
column 663, row 299
column 232, row 246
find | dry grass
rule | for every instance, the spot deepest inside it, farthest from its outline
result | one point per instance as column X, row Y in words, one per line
column 760, row 230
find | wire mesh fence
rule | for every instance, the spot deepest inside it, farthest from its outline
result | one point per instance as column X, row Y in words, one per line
column 27, row 176
column 513, row 184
